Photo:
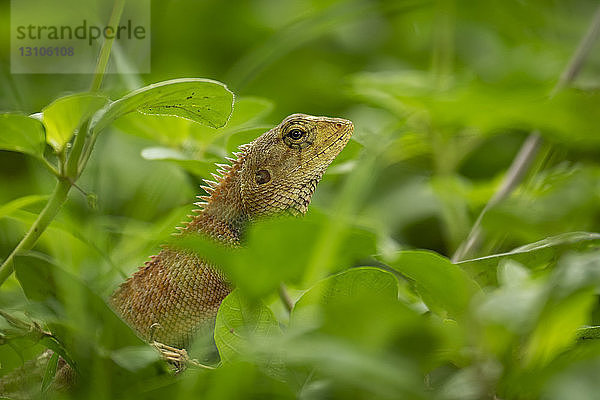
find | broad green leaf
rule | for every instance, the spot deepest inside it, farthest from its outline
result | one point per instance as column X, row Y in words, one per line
column 557, row 327
column 239, row 323
column 361, row 305
column 531, row 255
column 193, row 138
column 17, row 204
column 58, row 229
column 565, row 200
column 202, row 100
column 166, row 130
column 66, row 114
column 444, row 287
column 22, row 133
column 355, row 282
column 267, row 249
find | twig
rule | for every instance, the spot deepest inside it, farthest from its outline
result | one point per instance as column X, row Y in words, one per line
column 528, row 151
column 514, row 176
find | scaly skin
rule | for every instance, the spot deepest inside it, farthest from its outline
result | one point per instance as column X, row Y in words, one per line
column 276, row 173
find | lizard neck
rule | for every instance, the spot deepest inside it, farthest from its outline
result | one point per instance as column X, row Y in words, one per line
column 221, row 214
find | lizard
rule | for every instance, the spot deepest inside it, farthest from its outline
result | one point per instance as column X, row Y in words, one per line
column 180, row 292
column 177, row 291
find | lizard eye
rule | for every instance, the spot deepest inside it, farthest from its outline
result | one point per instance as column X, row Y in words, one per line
column 296, row 134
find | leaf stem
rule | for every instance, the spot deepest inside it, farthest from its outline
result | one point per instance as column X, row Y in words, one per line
column 113, row 21
column 44, row 219
column 528, row 151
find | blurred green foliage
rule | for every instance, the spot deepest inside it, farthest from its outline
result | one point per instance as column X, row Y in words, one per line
column 442, row 94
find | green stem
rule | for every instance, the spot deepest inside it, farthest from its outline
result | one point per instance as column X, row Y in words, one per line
column 72, row 170
column 56, row 201
column 67, row 174
column 113, row 21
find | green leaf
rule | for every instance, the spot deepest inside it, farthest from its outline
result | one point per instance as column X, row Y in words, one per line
column 443, row 286
column 22, row 133
column 66, row 114
column 272, row 264
column 361, row 305
column 356, row 282
column 202, row 100
column 531, row 255
column 588, row 332
column 194, row 138
column 50, row 372
column 22, row 202
column 241, row 322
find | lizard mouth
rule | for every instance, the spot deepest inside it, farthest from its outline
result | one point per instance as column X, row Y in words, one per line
column 333, row 148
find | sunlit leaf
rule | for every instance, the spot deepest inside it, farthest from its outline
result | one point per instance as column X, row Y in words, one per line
column 17, row 204
column 357, row 282
column 21, row 133
column 531, row 255
column 201, row 100
column 444, row 286
column 239, row 323
column 63, row 116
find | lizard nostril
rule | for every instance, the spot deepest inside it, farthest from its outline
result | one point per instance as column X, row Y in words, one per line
column 339, row 125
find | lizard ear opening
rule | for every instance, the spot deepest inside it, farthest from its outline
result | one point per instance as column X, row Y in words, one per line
column 262, row 176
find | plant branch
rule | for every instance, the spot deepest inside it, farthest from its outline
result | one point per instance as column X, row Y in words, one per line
column 69, row 174
column 113, row 21
column 528, row 151
column 44, row 219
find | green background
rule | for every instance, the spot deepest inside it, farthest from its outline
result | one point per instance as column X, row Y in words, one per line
column 442, row 94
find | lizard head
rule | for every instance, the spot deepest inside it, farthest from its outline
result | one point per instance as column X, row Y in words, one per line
column 283, row 166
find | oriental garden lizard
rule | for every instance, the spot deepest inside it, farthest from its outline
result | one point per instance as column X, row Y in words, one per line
column 177, row 291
